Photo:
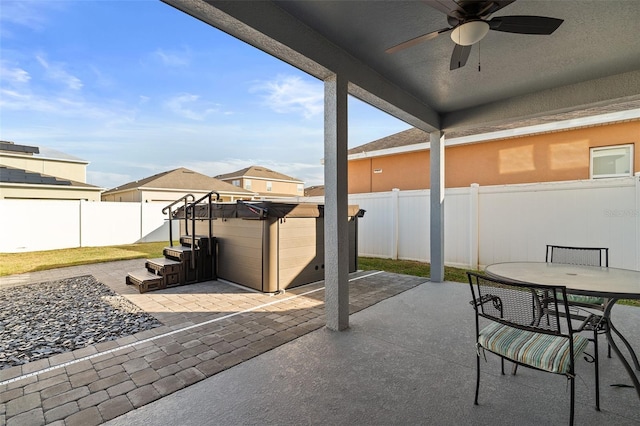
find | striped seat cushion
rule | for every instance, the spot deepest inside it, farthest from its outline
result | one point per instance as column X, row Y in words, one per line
column 543, row 351
column 591, row 300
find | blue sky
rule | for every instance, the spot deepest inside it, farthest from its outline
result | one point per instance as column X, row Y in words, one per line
column 138, row 87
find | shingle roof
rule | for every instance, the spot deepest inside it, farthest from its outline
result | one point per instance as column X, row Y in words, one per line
column 13, row 147
column 407, row 137
column 257, row 172
column 181, row 178
column 13, row 175
column 314, row 191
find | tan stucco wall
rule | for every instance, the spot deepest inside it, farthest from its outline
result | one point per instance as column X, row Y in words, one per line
column 49, row 193
column 58, row 168
column 539, row 158
column 277, row 187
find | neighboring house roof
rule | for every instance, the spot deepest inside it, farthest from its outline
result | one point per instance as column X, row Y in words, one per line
column 407, row 137
column 258, row 172
column 8, row 147
column 21, row 149
column 181, row 178
column 314, row 191
column 13, row 175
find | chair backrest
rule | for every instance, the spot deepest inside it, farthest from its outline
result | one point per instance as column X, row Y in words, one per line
column 587, row 256
column 532, row 307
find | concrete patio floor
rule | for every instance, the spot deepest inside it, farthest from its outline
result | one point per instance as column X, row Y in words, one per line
column 408, row 358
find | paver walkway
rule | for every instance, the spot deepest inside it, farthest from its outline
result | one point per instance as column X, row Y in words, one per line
column 207, row 327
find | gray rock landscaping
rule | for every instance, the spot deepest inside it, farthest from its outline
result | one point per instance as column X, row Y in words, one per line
column 44, row 319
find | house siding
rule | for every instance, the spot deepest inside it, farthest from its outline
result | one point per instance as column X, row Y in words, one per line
column 71, row 170
column 549, row 157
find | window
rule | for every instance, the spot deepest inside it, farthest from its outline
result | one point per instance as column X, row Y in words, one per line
column 300, row 187
column 268, row 186
column 611, row 161
column 247, row 184
column 235, row 182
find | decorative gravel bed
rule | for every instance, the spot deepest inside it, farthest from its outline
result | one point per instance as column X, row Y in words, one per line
column 44, row 319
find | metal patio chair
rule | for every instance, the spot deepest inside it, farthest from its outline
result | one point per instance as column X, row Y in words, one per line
column 585, row 256
column 526, row 324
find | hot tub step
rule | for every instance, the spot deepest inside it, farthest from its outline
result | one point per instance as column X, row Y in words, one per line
column 145, row 281
column 177, row 253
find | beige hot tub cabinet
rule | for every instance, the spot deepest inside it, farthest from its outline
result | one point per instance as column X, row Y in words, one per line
column 272, row 246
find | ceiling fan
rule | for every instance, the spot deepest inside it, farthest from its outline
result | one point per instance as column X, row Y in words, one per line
column 468, row 25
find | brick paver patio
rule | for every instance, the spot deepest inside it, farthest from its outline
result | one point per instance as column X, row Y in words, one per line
column 207, row 328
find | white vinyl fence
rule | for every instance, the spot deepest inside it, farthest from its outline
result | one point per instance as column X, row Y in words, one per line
column 33, row 225
column 484, row 225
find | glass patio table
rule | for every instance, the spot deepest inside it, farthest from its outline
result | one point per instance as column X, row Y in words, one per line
column 609, row 283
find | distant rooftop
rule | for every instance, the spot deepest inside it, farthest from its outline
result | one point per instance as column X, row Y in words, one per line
column 258, row 172
column 15, row 176
column 40, row 152
column 13, row 147
column 181, row 178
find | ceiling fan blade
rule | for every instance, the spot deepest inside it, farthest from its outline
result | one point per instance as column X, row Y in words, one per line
column 492, row 7
column 416, row 40
column 525, row 24
column 444, row 6
column 459, row 56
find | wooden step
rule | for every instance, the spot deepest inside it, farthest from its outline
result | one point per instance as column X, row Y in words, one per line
column 145, row 281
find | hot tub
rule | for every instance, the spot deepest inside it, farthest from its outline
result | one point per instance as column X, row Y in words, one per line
column 271, row 246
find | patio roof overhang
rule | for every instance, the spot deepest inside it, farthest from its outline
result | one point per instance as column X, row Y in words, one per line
column 590, row 65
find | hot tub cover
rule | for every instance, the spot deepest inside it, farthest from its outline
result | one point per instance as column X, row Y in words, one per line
column 261, row 210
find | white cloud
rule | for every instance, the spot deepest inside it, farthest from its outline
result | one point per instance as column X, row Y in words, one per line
column 14, row 75
column 292, row 94
column 107, row 180
column 57, row 73
column 30, row 14
column 190, row 106
column 173, row 59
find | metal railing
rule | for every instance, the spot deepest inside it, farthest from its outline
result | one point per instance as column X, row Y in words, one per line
column 167, row 210
column 191, row 208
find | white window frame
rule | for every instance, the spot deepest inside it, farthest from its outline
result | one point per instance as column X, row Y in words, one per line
column 269, row 185
column 235, row 182
column 247, row 184
column 593, row 153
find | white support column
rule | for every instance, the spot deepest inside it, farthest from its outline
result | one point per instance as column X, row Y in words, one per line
column 637, row 216
column 336, row 231
column 437, row 206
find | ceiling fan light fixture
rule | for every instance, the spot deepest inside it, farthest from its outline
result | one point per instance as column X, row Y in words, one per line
column 469, row 33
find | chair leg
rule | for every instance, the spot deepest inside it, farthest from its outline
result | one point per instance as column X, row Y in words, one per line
column 573, row 397
column 475, row 401
column 502, row 365
column 597, row 369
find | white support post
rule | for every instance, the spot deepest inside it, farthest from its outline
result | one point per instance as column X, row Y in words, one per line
column 637, row 215
column 437, row 206
column 336, row 231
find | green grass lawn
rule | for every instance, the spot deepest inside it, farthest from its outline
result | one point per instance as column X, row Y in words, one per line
column 18, row 263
